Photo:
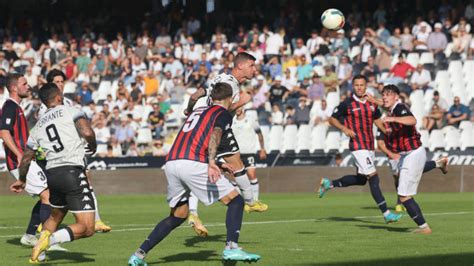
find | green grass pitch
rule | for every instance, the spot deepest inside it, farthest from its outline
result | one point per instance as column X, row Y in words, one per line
column 298, row 229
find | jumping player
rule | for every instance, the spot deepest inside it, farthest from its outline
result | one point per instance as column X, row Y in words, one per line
column 404, row 139
column 244, row 69
column 60, row 132
column 359, row 115
column 58, row 77
column 191, row 166
column 14, row 133
column 394, row 159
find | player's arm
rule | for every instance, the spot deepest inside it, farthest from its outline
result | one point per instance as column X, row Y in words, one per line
column 85, row 131
column 201, row 92
column 377, row 116
column 401, row 115
column 28, row 156
column 261, row 153
column 334, row 120
column 384, row 149
column 213, row 169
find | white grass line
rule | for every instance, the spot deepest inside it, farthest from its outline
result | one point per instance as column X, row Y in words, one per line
column 150, row 226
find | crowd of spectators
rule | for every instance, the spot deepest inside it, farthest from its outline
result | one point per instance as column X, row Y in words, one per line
column 153, row 71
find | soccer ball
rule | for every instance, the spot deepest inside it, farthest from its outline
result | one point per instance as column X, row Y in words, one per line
column 332, row 19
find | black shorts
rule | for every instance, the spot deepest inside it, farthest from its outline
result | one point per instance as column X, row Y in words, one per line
column 248, row 160
column 228, row 145
column 68, row 188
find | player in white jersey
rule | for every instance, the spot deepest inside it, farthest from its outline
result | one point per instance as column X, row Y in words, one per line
column 244, row 69
column 247, row 133
column 57, row 77
column 60, row 133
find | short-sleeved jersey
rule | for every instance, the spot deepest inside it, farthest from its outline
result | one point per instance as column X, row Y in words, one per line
column 224, row 78
column 13, row 119
column 43, row 108
column 192, row 140
column 402, row 138
column 245, row 132
column 359, row 117
column 56, row 133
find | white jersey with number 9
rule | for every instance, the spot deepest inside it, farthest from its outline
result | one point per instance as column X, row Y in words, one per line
column 224, row 78
column 56, row 133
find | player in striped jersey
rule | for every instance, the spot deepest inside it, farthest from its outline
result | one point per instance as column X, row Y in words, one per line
column 358, row 115
column 14, row 133
column 59, row 78
column 394, row 159
column 403, row 138
column 191, row 166
column 244, row 69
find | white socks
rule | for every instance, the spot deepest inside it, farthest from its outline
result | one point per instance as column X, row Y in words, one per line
column 193, row 204
column 60, row 236
column 243, row 182
column 255, row 188
column 97, row 216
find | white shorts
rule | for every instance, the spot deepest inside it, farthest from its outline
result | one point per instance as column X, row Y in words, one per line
column 364, row 161
column 411, row 167
column 186, row 176
column 394, row 166
column 36, row 181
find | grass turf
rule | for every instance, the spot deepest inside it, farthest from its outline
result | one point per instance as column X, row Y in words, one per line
column 298, row 229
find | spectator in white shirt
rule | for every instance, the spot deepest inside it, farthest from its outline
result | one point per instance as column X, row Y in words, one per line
column 420, row 78
column 321, row 115
column 314, row 42
column 422, row 38
column 301, row 50
column 277, row 115
column 191, row 53
column 274, row 42
column 216, row 52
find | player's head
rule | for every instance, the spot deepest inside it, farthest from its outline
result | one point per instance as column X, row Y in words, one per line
column 359, row 83
column 244, row 65
column 222, row 94
column 390, row 95
column 50, row 95
column 57, row 77
column 17, row 85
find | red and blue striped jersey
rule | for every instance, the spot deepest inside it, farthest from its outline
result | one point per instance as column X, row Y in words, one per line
column 402, row 138
column 192, row 140
column 359, row 117
column 13, row 120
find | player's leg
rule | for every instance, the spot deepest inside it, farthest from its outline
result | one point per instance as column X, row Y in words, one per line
column 193, row 217
column 441, row 163
column 29, row 238
column 177, row 199
column 410, row 175
column 379, row 199
column 349, row 180
column 394, row 168
column 100, row 226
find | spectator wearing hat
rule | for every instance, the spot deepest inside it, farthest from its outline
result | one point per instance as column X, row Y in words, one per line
column 278, row 92
column 316, row 90
column 302, row 112
column 437, row 41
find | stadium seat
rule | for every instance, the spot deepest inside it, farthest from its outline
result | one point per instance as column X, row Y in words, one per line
column 304, row 138
column 290, row 140
column 413, row 59
column 345, row 143
column 466, row 125
column 467, row 139
column 144, row 136
column 318, row 136
column 333, row 140
column 418, row 106
column 428, row 96
column 427, row 58
column 117, row 151
column 425, row 138
column 276, row 138
column 452, row 139
column 332, row 100
column 436, row 140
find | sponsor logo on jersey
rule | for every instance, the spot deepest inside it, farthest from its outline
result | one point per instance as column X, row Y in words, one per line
column 85, row 190
column 83, row 183
column 82, row 176
column 87, row 207
column 86, row 198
